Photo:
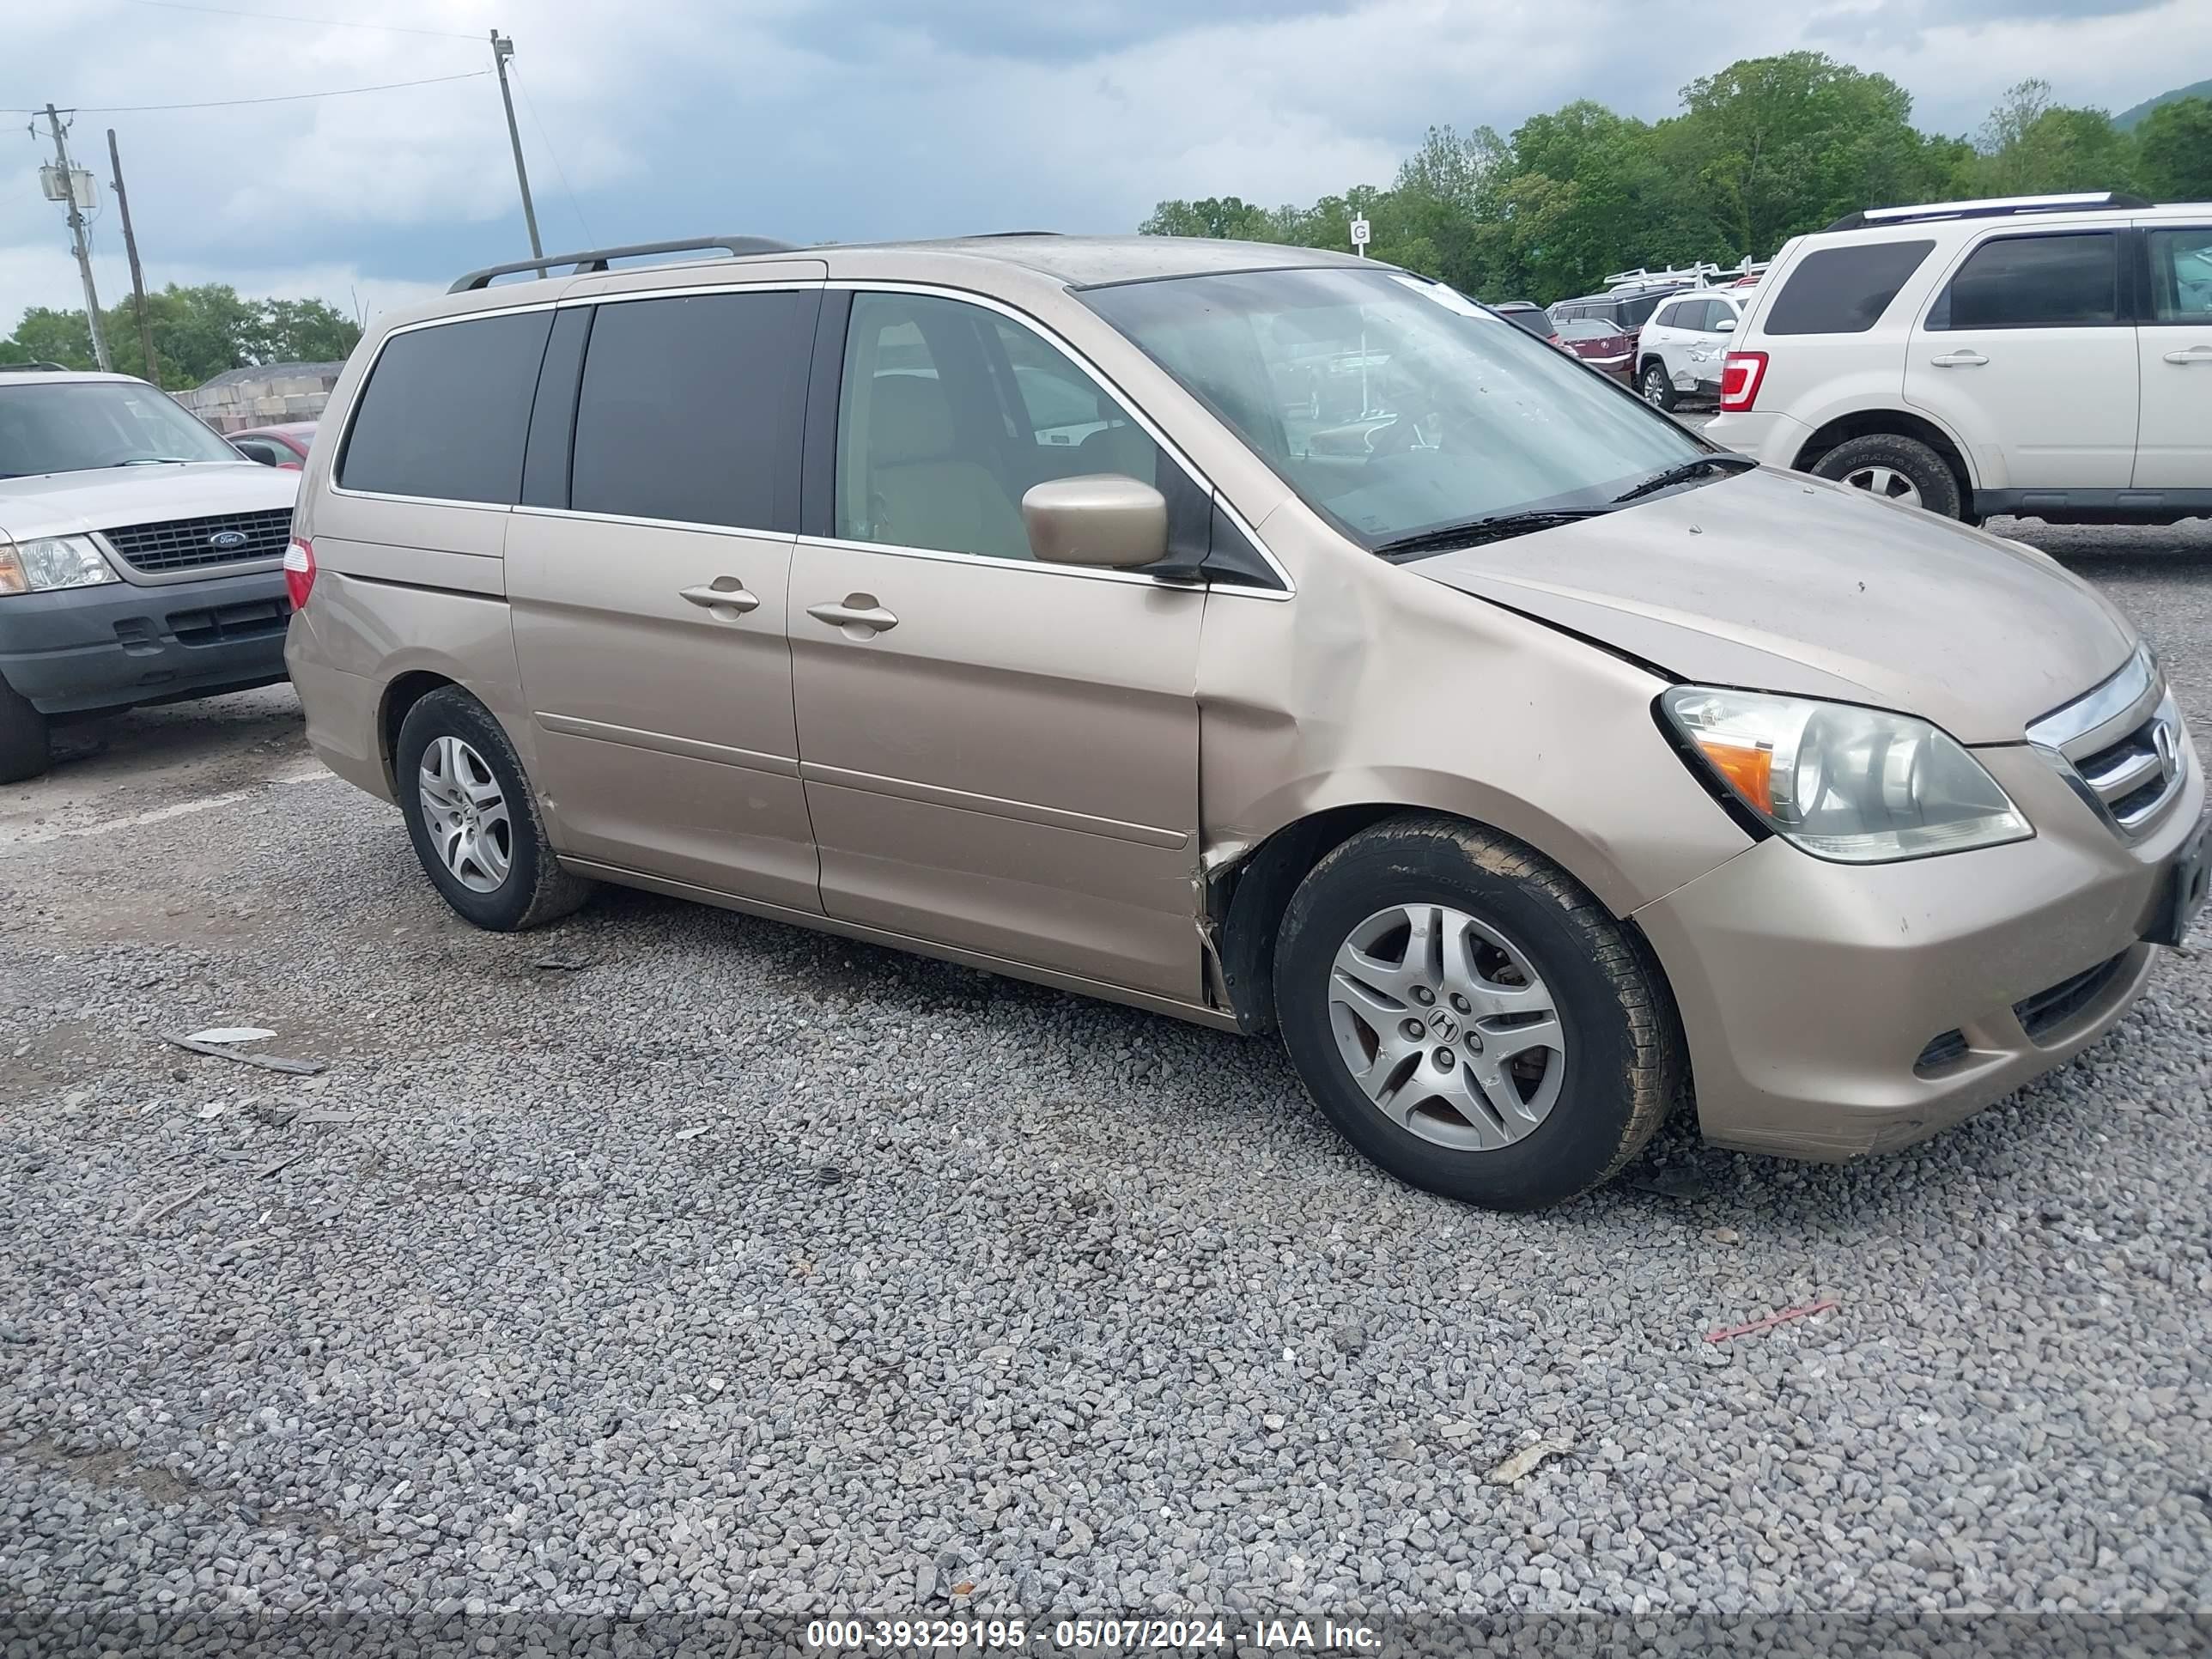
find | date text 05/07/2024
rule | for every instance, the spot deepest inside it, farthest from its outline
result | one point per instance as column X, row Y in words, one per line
column 1090, row 1635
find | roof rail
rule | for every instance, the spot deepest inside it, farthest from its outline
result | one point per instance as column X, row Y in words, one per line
column 29, row 368
column 592, row 259
column 1990, row 207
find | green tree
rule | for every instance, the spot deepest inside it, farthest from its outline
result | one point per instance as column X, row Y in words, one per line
column 198, row 333
column 2030, row 146
column 2173, row 151
column 1222, row 216
column 1786, row 144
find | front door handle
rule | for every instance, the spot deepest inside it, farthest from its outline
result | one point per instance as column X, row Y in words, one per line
column 858, row 615
column 1966, row 358
column 2187, row 354
column 723, row 594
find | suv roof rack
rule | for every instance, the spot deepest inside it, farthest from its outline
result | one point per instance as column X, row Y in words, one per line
column 595, row 260
column 29, row 368
column 1990, row 207
column 1687, row 276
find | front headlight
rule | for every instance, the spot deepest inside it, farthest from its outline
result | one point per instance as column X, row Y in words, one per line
column 46, row 561
column 1855, row 785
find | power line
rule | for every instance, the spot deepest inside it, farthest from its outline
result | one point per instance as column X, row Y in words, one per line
column 559, row 172
column 289, row 17
column 233, row 103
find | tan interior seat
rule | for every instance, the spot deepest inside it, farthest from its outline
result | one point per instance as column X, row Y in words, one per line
column 922, row 492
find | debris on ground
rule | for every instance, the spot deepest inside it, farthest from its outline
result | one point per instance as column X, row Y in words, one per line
column 562, row 965
column 268, row 1169
column 230, row 1034
column 1517, row 1468
column 327, row 1114
column 1674, row 1182
column 274, row 1113
column 267, row 1062
column 162, row 1208
column 1825, row 1305
column 693, row 1132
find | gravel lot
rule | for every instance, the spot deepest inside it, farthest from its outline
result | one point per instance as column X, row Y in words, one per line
column 728, row 1266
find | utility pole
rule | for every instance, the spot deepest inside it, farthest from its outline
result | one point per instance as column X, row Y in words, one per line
column 502, row 50
column 137, row 276
column 77, row 231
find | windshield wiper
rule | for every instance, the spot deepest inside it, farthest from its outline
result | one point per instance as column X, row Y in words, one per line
column 1497, row 527
column 1727, row 460
column 154, row 460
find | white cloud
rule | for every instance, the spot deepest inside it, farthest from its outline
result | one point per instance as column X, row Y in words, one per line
column 851, row 118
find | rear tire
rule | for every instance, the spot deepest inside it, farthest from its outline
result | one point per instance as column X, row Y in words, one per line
column 1530, row 973
column 26, row 740
column 473, row 820
column 1654, row 388
column 1896, row 468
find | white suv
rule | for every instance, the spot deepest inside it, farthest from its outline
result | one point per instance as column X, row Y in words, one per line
column 1680, row 352
column 2046, row 356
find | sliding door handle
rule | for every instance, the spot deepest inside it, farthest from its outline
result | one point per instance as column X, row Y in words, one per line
column 723, row 593
column 858, row 615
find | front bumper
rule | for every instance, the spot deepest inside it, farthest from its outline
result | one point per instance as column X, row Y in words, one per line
column 1810, row 992
column 81, row 650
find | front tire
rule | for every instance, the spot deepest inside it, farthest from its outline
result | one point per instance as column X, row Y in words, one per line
column 26, row 739
column 474, row 823
column 1470, row 1017
column 1898, row 469
column 1655, row 388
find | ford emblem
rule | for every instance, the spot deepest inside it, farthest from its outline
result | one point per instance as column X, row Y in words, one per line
column 228, row 541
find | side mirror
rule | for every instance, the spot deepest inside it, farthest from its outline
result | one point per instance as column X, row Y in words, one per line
column 1726, row 325
column 1103, row 518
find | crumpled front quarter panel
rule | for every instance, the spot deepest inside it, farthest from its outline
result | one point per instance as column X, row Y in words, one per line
column 1374, row 684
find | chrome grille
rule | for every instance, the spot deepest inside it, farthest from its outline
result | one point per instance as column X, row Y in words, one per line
column 188, row 543
column 2122, row 746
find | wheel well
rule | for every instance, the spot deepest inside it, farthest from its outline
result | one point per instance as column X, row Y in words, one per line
column 402, row 695
column 1870, row 423
column 1247, row 901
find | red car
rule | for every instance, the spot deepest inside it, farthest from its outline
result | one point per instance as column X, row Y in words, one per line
column 1605, row 347
column 284, row 446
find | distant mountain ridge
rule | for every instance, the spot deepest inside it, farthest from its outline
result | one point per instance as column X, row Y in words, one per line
column 2126, row 119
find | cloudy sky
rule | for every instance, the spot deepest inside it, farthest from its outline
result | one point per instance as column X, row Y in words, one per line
column 848, row 120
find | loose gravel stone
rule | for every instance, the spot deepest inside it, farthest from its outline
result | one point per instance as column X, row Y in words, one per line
column 975, row 1296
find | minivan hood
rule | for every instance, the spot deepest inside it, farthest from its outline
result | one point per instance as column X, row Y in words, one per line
column 70, row 503
column 1778, row 582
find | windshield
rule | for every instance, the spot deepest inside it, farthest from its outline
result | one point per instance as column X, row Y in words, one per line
column 1392, row 404
column 73, row 426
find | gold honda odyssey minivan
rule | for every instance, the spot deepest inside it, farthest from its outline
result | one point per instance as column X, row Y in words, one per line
column 1268, row 638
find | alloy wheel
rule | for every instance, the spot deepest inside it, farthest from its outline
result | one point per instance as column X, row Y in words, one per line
column 464, row 807
column 1886, row 482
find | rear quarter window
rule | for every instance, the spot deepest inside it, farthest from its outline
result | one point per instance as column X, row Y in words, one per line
column 447, row 410
column 1843, row 290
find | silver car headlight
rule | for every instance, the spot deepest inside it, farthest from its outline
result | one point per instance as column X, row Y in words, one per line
column 49, row 561
column 1858, row 785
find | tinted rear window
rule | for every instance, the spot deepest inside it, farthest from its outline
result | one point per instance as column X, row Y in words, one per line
column 1534, row 319
column 690, row 408
column 446, row 411
column 2034, row 281
column 1843, row 290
